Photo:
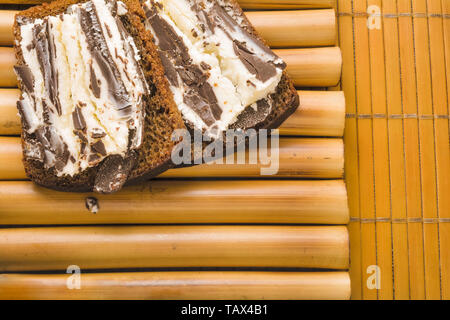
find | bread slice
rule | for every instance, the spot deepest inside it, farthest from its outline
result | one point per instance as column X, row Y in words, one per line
column 211, row 43
column 69, row 144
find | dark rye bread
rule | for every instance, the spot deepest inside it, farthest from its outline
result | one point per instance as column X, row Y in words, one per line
column 162, row 116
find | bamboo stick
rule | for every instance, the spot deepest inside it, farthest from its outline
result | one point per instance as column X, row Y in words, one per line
column 400, row 263
column 6, row 23
column 430, row 288
column 31, row 249
column 301, row 158
column 180, row 285
column 315, row 67
column 381, row 158
column 321, row 113
column 7, row 61
column 297, row 28
column 298, row 157
column 159, row 201
column 246, row 4
column 9, row 118
column 365, row 145
column 11, row 165
column 440, row 128
column 412, row 152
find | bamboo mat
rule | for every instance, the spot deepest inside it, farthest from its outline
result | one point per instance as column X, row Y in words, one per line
column 204, row 232
column 396, row 68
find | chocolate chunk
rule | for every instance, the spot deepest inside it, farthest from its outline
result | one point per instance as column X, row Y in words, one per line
column 207, row 93
column 26, row 76
column 124, row 34
column 191, row 75
column 168, row 40
column 170, row 72
column 122, row 31
column 46, row 112
column 78, row 119
column 56, row 152
column 206, row 22
column 250, row 117
column 158, row 4
column 113, row 7
column 115, row 88
column 97, row 46
column 91, row 204
column 23, row 115
column 113, row 173
column 60, row 150
column 93, row 159
column 23, row 20
column 280, row 65
column 200, row 106
column 45, row 50
column 108, row 30
column 33, row 150
column 99, row 147
column 222, row 18
column 262, row 70
column 224, row 21
column 83, row 148
column 205, row 66
column 80, row 135
column 97, row 133
column 94, row 83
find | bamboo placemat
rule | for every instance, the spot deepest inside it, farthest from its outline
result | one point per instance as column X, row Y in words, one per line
column 396, row 68
column 396, row 83
column 203, row 232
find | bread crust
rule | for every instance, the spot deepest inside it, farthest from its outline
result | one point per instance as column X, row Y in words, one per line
column 154, row 155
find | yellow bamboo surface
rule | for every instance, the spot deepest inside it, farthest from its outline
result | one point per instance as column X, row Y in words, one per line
column 311, row 67
column 298, row 158
column 296, row 28
column 395, row 78
column 246, row 4
column 180, row 201
column 187, row 285
column 322, row 113
column 31, row 249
